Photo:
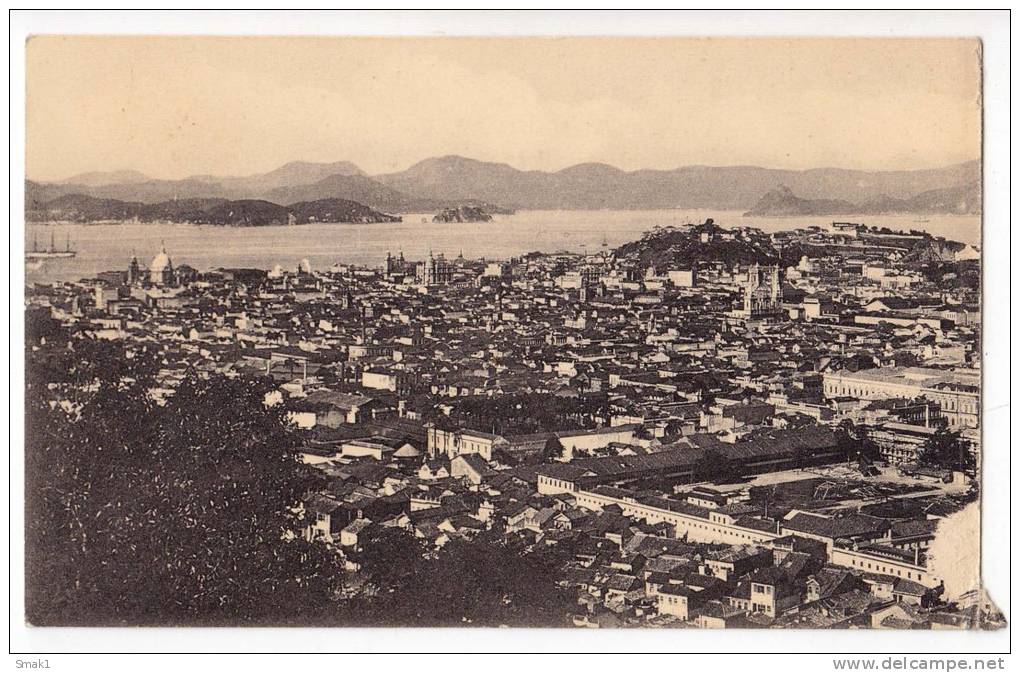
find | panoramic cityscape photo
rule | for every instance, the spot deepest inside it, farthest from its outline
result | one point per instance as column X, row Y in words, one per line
column 477, row 332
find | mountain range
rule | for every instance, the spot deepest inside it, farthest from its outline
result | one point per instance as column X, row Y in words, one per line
column 600, row 186
column 453, row 181
column 960, row 200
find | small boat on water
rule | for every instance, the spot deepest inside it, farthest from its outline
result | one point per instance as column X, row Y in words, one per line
column 50, row 253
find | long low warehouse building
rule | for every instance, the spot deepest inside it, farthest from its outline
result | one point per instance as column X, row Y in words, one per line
column 770, row 452
column 853, row 541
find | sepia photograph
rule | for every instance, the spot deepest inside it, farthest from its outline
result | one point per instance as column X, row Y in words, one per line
column 673, row 333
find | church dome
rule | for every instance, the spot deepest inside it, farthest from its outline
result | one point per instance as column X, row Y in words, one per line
column 160, row 263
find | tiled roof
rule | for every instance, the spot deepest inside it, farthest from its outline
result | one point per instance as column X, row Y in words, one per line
column 848, row 526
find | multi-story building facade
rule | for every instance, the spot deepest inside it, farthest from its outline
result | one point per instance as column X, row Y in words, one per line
column 763, row 292
column 434, row 271
column 957, row 391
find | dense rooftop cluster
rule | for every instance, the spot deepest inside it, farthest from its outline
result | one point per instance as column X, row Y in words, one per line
column 706, row 426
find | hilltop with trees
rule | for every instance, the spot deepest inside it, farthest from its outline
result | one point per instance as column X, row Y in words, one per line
column 672, row 247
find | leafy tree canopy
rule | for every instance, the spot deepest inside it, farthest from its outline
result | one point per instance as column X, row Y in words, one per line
column 145, row 514
column 947, row 450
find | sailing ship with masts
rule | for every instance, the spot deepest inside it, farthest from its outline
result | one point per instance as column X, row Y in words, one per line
column 52, row 252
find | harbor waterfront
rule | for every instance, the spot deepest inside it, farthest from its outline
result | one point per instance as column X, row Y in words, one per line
column 103, row 247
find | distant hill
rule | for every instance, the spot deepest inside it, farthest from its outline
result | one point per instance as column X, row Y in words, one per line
column 962, row 199
column 150, row 191
column 337, row 210
column 136, row 186
column 596, row 186
column 684, row 247
column 99, row 178
column 463, row 214
column 930, row 250
column 372, row 193
column 80, row 208
column 235, row 213
column 353, row 188
column 247, row 213
column 182, row 210
column 37, row 194
column 454, row 178
column 782, row 201
column 289, row 175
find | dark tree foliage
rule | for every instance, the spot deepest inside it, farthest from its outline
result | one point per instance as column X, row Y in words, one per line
column 526, row 413
column 947, row 450
column 141, row 514
column 553, row 449
column 41, row 327
column 478, row 583
column 146, row 514
column 391, row 559
column 663, row 247
column 707, row 397
column 853, row 441
column 965, row 274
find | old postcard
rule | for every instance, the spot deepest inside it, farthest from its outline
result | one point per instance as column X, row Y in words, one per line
column 527, row 332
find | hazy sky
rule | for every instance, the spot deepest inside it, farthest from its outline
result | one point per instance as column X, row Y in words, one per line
column 172, row 107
